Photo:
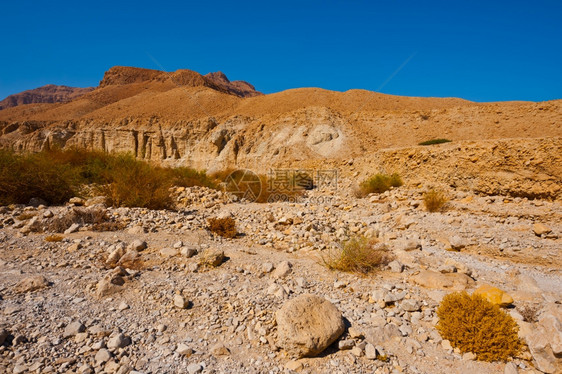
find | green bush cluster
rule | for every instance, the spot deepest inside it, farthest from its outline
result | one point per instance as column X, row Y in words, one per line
column 57, row 175
column 435, row 141
column 379, row 183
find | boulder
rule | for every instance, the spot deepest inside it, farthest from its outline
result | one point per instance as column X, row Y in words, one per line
column 494, row 295
column 307, row 325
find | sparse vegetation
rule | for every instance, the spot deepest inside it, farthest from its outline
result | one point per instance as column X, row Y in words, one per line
column 529, row 313
column 57, row 175
column 358, row 254
column 264, row 188
column 26, row 216
column 435, row 141
column 473, row 324
column 435, row 200
column 54, row 238
column 379, row 183
column 98, row 218
column 225, row 227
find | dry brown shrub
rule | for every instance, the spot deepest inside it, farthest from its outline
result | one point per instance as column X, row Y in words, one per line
column 81, row 216
column 54, row 238
column 358, row 254
column 473, row 324
column 435, row 200
column 225, row 227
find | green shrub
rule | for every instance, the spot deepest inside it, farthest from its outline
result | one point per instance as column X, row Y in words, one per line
column 225, row 227
column 379, row 183
column 435, row 200
column 57, row 175
column 473, row 324
column 358, row 254
column 435, row 141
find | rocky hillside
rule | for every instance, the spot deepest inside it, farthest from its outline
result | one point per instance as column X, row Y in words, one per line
column 208, row 122
column 46, row 94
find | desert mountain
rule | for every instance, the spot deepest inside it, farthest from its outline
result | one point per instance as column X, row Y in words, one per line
column 208, row 122
column 46, row 94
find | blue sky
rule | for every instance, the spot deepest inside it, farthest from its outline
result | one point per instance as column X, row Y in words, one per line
column 477, row 50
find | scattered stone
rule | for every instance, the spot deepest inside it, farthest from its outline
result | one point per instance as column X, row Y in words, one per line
column 73, row 328
column 138, row 245
column 457, row 243
column 308, row 324
column 194, row 368
column 3, row 335
column 184, row 350
column 396, row 267
column 118, row 341
column 282, row 269
column 76, row 201
column 73, row 228
column 219, row 349
column 168, row 252
column 180, row 302
column 267, row 267
column 32, row 283
column 212, row 258
column 540, row 229
column 370, row 352
column 347, row 344
column 103, row 356
column 410, row 305
column 188, row 252
column 294, row 365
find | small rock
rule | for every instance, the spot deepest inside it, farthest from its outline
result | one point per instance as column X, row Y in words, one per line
column 76, row 201
column 103, row 355
column 267, row 267
column 457, row 243
column 3, row 335
column 194, row 368
column 212, row 258
column 294, row 365
column 445, row 344
column 73, row 328
column 118, row 341
column 168, row 252
column 282, row 270
column 347, row 344
column 138, row 245
column 410, row 305
column 469, row 356
column 184, row 350
column 540, row 229
column 395, row 266
column 180, row 302
column 188, row 252
column 33, row 283
column 219, row 349
column 73, row 228
column 370, row 352
column 354, row 333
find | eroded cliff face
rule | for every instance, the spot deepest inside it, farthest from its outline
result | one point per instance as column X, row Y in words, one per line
column 207, row 122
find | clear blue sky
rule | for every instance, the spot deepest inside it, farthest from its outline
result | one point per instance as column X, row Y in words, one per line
column 478, row 50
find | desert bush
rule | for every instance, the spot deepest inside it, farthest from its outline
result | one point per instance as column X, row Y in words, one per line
column 54, row 238
column 225, row 227
column 132, row 183
column 379, row 183
column 529, row 313
column 358, row 254
column 434, row 200
column 473, row 324
column 23, row 177
column 57, row 175
column 435, row 141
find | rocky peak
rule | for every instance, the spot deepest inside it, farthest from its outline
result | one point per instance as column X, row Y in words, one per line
column 45, row 94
